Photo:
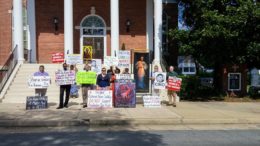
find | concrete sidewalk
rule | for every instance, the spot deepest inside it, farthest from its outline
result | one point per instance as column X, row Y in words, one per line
column 185, row 113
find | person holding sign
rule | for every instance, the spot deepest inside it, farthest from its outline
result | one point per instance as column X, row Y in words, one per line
column 155, row 92
column 172, row 94
column 103, row 80
column 64, row 88
column 41, row 72
column 86, row 87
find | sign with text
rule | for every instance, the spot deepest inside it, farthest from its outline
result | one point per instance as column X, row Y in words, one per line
column 160, row 80
column 39, row 81
column 100, row 98
column 64, row 77
column 125, row 95
column 57, row 57
column 86, row 77
column 174, row 83
column 74, row 59
column 124, row 59
column 152, row 101
column 110, row 61
column 125, row 76
column 36, row 102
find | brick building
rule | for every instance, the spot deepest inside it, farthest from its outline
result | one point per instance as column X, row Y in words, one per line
column 43, row 27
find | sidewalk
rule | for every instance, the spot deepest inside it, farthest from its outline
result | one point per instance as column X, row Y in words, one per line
column 185, row 113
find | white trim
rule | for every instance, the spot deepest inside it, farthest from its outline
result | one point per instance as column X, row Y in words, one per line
column 239, row 82
column 114, row 21
column 68, row 27
column 104, row 35
column 149, row 25
column 157, row 29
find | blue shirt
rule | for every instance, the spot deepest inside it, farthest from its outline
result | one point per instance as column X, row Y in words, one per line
column 40, row 74
column 103, row 81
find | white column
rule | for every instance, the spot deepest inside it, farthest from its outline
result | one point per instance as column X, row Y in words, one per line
column 157, row 29
column 31, row 30
column 18, row 29
column 149, row 25
column 114, row 20
column 68, row 27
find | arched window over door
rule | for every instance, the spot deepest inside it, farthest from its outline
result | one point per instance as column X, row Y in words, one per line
column 93, row 37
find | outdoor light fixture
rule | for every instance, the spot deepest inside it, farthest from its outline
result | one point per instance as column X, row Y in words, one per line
column 56, row 22
column 128, row 24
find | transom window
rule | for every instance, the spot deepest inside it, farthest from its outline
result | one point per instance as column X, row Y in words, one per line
column 93, row 25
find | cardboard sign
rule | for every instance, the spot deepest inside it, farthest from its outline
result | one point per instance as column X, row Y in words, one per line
column 36, row 102
column 110, row 61
column 160, row 80
column 174, row 84
column 124, row 59
column 152, row 101
column 125, row 95
column 125, row 76
column 64, row 77
column 74, row 59
column 86, row 77
column 39, row 81
column 96, row 65
column 57, row 57
column 99, row 98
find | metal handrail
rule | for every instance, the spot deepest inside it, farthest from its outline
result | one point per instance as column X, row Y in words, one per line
column 8, row 68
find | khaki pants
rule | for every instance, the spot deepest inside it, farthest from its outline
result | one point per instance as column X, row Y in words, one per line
column 172, row 96
column 85, row 94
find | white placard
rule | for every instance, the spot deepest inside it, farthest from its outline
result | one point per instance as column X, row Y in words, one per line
column 64, row 77
column 74, row 59
column 124, row 76
column 100, row 98
column 96, row 65
column 160, row 80
column 110, row 61
column 124, row 59
column 39, row 82
column 152, row 101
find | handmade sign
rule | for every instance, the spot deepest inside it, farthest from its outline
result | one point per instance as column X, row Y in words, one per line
column 36, row 102
column 74, row 59
column 152, row 101
column 64, row 77
column 57, row 57
column 110, row 61
column 174, row 83
column 124, row 59
column 39, row 82
column 86, row 77
column 99, row 98
column 160, row 80
column 125, row 95
column 125, row 76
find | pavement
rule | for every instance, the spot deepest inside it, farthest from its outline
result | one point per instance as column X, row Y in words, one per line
column 200, row 113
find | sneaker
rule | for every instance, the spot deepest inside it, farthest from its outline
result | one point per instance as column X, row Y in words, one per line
column 174, row 105
column 84, row 106
column 59, row 107
column 66, row 106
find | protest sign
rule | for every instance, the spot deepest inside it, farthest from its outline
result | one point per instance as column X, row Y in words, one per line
column 96, row 65
column 110, row 61
column 124, row 59
column 125, row 95
column 125, row 76
column 57, row 57
column 39, row 81
column 152, row 101
column 160, row 80
column 64, row 77
column 74, row 59
column 174, row 83
column 86, row 77
column 36, row 102
column 99, row 98
column 87, row 53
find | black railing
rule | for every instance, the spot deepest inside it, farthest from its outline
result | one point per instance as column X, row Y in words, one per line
column 8, row 68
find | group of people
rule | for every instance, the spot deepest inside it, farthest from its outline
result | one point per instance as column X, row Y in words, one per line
column 105, row 81
column 172, row 95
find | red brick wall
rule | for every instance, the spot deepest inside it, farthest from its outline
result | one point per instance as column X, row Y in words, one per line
column 5, row 30
column 48, row 42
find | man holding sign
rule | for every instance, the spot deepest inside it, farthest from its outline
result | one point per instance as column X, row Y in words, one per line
column 41, row 91
column 171, row 93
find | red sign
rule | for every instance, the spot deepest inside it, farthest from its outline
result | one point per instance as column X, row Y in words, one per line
column 57, row 57
column 174, row 84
